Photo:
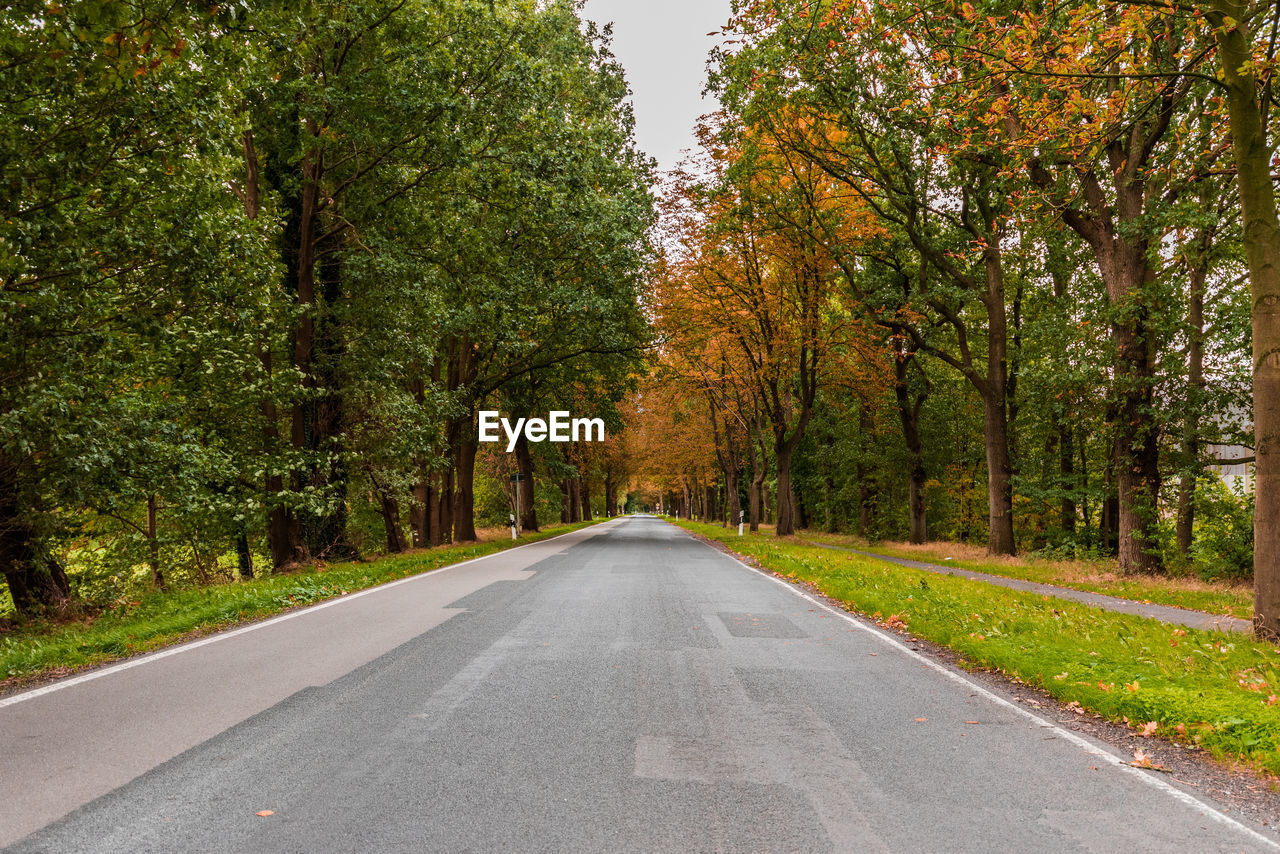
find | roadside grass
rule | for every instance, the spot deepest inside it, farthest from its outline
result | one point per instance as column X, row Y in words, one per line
column 36, row 648
column 1210, row 689
column 1234, row 599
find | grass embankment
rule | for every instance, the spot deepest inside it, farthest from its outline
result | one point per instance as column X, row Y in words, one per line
column 1234, row 599
column 1210, row 689
column 42, row 648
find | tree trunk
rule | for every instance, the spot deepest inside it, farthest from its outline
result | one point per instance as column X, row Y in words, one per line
column 35, row 581
column 801, row 510
column 1185, row 524
column 755, row 494
column 1058, row 269
column 995, row 413
column 436, row 533
column 999, row 484
column 909, row 413
column 610, row 500
column 464, row 503
column 584, row 497
column 1137, row 454
column 786, row 511
column 528, row 496
column 755, row 487
column 305, row 296
column 575, row 500
column 1084, row 484
column 1066, row 478
column 866, row 495
column 418, row 515
column 734, row 509
column 1121, row 250
column 318, row 348
column 284, row 534
column 244, row 557
column 444, row 505
column 153, row 544
column 1109, row 524
column 391, row 524
column 1262, row 251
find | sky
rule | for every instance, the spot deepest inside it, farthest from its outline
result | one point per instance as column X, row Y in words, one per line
column 663, row 45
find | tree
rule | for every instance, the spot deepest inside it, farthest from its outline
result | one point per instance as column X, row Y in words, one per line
column 131, row 278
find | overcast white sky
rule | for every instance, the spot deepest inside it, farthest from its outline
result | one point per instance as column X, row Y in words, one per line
column 663, row 45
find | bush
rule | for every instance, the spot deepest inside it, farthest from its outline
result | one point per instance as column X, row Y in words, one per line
column 1223, row 543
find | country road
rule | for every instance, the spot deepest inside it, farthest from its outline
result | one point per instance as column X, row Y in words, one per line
column 620, row 688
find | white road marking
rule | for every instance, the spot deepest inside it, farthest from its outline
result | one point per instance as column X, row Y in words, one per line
column 1090, row 748
column 253, row 627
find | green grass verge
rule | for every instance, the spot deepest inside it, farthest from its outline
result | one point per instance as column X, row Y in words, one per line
column 1212, row 689
column 1231, row 600
column 39, row 648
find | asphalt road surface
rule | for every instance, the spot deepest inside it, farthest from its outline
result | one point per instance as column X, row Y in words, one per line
column 620, row 688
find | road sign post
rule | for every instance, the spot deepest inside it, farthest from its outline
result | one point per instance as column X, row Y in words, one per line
column 742, row 514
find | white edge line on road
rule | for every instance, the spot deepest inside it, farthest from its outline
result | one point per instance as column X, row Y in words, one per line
column 1090, row 748
column 253, row 627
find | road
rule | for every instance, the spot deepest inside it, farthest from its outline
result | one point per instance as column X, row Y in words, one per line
column 620, row 688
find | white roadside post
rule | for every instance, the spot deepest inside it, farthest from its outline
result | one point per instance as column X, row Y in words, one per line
column 741, row 515
column 518, row 516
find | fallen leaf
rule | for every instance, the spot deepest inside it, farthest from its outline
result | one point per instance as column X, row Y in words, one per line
column 265, row 813
column 971, row 722
column 921, row 720
column 1142, row 760
column 1149, row 729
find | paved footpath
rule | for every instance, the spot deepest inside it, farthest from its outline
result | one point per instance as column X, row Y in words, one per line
column 620, row 688
column 1163, row 613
